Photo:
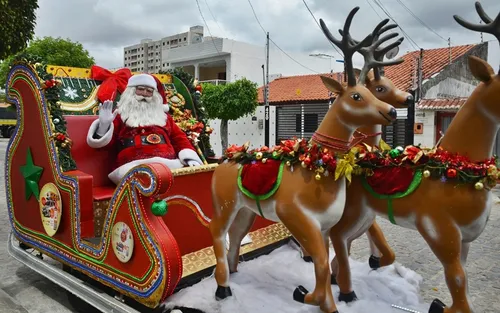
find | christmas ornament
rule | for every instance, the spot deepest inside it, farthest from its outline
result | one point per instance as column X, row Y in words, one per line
column 451, row 173
column 159, row 207
column 479, row 185
column 264, row 160
column 258, row 155
column 427, row 173
column 318, row 176
column 394, row 153
column 56, row 120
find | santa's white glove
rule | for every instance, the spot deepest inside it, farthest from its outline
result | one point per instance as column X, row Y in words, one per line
column 193, row 163
column 106, row 117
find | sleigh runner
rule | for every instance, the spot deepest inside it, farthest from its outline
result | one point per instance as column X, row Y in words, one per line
column 142, row 239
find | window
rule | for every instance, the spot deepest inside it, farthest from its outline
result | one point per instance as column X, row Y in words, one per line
column 310, row 122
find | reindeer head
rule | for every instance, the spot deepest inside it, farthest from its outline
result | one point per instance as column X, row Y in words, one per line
column 372, row 73
column 489, row 89
column 355, row 105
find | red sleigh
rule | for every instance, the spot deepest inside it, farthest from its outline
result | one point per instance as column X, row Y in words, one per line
column 106, row 235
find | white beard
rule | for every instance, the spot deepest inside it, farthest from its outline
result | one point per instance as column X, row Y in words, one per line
column 138, row 111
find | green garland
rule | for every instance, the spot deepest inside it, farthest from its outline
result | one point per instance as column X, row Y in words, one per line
column 51, row 89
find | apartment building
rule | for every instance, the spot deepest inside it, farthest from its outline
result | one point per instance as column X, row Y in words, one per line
column 146, row 56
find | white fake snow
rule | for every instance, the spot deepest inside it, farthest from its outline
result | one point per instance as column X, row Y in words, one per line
column 266, row 285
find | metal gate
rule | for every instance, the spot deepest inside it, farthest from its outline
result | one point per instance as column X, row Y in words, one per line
column 298, row 120
column 400, row 133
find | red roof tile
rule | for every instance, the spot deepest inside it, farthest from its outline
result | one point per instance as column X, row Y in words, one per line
column 308, row 88
column 441, row 104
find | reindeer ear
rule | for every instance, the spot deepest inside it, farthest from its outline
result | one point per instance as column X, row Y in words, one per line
column 480, row 69
column 370, row 76
column 332, row 85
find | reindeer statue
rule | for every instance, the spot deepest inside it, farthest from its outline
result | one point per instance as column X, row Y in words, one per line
column 304, row 202
column 382, row 88
column 449, row 199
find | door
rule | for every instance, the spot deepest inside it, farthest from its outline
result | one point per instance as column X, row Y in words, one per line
column 443, row 122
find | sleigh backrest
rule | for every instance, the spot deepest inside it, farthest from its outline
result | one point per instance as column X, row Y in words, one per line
column 95, row 162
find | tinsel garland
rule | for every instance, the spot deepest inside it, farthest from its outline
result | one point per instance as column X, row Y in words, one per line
column 51, row 90
column 364, row 160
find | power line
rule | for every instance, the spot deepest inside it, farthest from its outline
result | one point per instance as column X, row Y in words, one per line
column 212, row 37
column 410, row 40
column 265, row 32
column 419, row 20
column 317, row 23
column 215, row 20
column 373, row 8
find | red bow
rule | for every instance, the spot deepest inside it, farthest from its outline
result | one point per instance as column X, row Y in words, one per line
column 111, row 82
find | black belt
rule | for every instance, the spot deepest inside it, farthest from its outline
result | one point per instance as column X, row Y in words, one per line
column 151, row 139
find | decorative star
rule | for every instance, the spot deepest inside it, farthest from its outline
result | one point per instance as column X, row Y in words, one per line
column 31, row 174
column 70, row 92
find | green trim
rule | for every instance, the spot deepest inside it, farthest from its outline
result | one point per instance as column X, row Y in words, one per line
column 417, row 179
column 264, row 196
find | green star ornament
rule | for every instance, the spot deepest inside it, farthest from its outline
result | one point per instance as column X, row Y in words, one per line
column 31, row 174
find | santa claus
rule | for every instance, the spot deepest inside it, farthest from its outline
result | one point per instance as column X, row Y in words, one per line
column 141, row 129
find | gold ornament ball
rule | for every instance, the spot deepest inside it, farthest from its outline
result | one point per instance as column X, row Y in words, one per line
column 321, row 169
column 288, row 163
column 63, row 145
column 264, row 160
column 427, row 173
column 479, row 185
column 258, row 155
column 304, row 165
column 318, row 177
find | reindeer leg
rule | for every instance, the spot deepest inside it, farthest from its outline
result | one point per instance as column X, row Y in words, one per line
column 379, row 243
column 311, row 238
column 219, row 226
column 445, row 240
column 239, row 228
column 343, row 277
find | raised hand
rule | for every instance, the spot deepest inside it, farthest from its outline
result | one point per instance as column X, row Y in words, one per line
column 106, row 116
column 193, row 163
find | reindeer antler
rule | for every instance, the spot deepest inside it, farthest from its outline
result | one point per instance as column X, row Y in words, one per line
column 490, row 27
column 374, row 55
column 347, row 45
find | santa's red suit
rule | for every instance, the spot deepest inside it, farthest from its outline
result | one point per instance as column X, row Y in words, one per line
column 166, row 144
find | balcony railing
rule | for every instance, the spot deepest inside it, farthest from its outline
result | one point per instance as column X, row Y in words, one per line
column 214, row 81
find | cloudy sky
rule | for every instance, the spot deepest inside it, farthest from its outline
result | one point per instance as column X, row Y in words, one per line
column 104, row 27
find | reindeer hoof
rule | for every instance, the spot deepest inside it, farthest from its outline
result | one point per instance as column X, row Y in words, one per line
column 348, row 297
column 437, row 306
column 374, row 262
column 334, row 280
column 222, row 293
column 299, row 294
column 308, row 259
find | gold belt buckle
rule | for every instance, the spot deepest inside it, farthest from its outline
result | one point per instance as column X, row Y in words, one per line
column 153, row 139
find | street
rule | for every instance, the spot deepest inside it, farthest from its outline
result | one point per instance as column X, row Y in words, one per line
column 23, row 290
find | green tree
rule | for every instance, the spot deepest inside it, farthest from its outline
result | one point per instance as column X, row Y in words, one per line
column 54, row 51
column 17, row 25
column 229, row 102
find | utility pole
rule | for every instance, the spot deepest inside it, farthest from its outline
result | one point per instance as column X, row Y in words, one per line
column 266, row 96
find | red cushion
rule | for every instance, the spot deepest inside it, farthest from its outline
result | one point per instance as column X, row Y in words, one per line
column 103, row 193
column 95, row 162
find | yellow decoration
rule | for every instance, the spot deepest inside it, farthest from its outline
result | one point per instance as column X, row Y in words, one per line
column 479, row 185
column 304, row 165
column 427, row 173
column 321, row 169
column 258, row 155
column 288, row 163
column 264, row 160
column 318, row 176
column 346, row 165
column 50, row 208
column 384, row 146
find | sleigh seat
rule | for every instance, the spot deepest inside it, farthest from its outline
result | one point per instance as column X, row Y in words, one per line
column 97, row 163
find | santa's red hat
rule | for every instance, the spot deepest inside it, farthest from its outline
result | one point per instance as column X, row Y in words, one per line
column 149, row 81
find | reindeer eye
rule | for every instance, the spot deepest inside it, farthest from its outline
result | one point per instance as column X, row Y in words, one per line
column 380, row 89
column 356, row 96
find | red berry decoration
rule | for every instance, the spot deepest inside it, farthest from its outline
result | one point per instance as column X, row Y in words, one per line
column 451, row 173
column 198, row 88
